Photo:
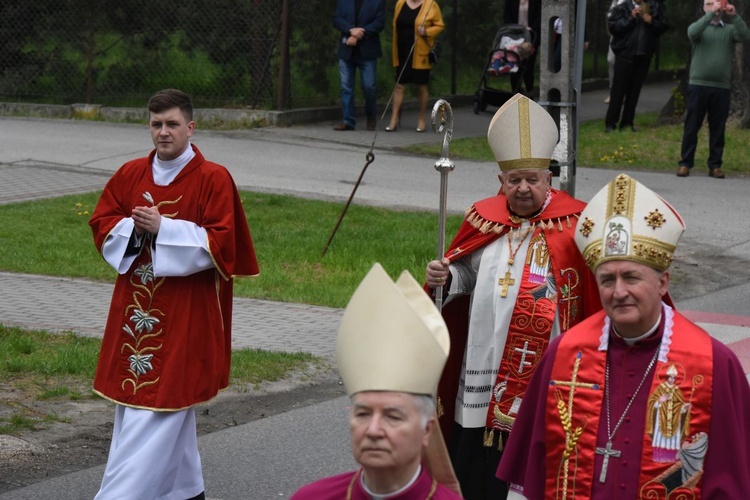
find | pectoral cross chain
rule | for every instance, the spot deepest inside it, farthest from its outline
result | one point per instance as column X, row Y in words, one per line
column 607, row 452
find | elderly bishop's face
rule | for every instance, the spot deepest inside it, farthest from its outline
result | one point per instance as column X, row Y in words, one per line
column 526, row 190
column 388, row 430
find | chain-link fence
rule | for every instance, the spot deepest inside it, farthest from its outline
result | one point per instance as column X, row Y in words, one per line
column 233, row 53
column 223, row 52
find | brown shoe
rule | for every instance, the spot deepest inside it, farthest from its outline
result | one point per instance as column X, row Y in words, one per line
column 343, row 126
column 716, row 173
column 683, row 171
column 371, row 123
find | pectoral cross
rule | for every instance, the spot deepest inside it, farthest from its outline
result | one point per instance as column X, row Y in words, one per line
column 607, row 452
column 505, row 282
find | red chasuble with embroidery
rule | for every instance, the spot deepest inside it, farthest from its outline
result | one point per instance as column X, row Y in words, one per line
column 686, row 434
column 167, row 344
column 577, row 297
column 349, row 486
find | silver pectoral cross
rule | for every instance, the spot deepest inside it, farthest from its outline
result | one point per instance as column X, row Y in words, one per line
column 607, row 452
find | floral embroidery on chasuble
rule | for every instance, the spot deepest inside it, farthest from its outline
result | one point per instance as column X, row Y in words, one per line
column 677, row 415
column 528, row 337
column 141, row 324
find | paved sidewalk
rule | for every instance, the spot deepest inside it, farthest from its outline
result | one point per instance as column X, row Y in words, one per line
column 82, row 306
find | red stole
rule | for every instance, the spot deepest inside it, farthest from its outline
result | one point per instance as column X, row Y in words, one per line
column 528, row 337
column 575, row 400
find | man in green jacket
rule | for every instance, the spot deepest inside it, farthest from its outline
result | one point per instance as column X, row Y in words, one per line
column 710, row 75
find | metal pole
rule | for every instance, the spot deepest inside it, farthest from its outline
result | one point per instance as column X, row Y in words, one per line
column 442, row 121
column 281, row 97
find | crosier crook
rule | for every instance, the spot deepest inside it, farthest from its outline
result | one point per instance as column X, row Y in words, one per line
column 442, row 121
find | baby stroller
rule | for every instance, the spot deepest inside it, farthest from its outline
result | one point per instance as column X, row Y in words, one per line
column 486, row 94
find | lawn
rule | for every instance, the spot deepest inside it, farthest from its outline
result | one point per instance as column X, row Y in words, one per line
column 52, row 237
column 653, row 147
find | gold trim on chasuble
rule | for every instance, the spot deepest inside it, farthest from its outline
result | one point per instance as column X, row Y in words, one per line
column 486, row 226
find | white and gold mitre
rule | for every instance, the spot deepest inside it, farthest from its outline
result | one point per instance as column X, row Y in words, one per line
column 628, row 221
column 522, row 135
column 392, row 337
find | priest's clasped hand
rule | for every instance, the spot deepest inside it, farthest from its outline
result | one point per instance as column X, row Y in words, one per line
column 146, row 219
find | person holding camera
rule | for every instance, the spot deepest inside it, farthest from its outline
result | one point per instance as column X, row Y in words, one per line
column 708, row 87
column 635, row 26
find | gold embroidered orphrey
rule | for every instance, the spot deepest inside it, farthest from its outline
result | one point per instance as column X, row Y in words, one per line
column 567, row 294
column 566, row 419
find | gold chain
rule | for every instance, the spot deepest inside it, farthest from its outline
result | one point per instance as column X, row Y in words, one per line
column 510, row 248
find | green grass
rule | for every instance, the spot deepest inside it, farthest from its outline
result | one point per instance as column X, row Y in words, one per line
column 46, row 355
column 654, row 147
column 52, row 237
column 46, row 366
column 253, row 366
column 17, row 422
column 50, row 357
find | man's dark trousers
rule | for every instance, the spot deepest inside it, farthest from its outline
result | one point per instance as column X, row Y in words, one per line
column 703, row 100
column 629, row 75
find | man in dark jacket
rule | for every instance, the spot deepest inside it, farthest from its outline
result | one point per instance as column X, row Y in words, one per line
column 635, row 26
column 360, row 23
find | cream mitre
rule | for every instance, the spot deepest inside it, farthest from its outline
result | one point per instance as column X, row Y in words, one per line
column 392, row 337
column 522, row 135
column 628, row 221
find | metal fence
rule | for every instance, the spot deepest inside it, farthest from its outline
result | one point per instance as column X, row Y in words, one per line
column 231, row 53
column 223, row 52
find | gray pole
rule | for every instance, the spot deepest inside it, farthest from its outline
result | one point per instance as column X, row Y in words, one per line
column 560, row 90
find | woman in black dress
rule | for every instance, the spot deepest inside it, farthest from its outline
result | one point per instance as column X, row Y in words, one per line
column 416, row 24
